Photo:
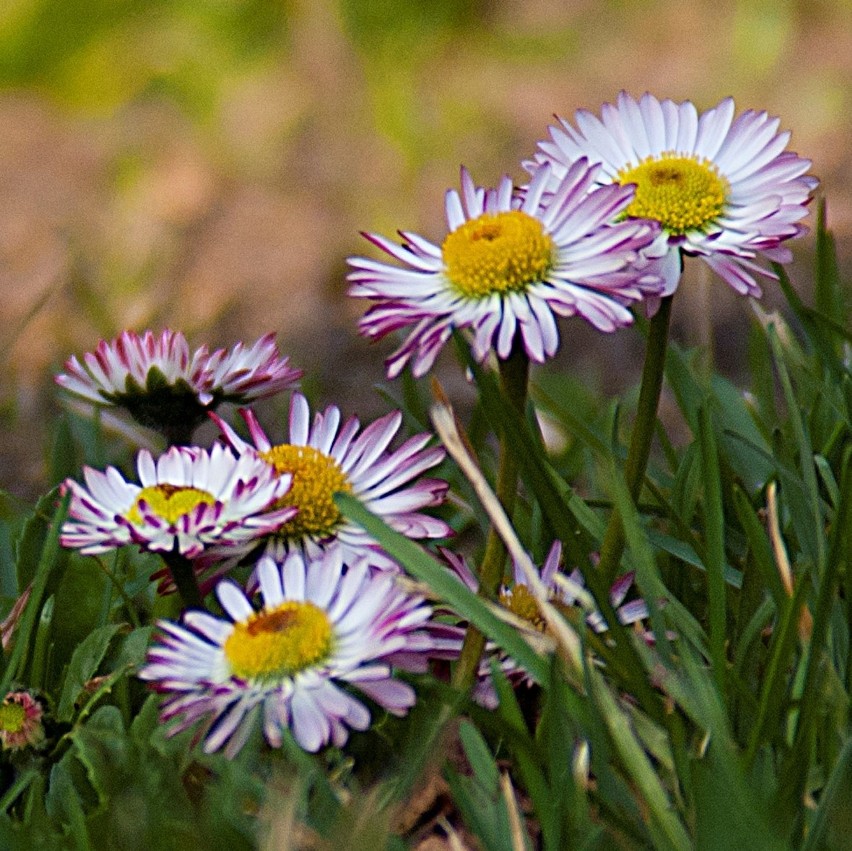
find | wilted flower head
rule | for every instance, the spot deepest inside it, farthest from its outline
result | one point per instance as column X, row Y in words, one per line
column 188, row 499
column 322, row 627
column 726, row 191
column 322, row 458
column 165, row 388
column 20, row 721
column 511, row 263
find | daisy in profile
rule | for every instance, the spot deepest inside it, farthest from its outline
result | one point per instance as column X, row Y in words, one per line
column 724, row 190
column 511, row 263
column 164, row 387
column 188, row 499
column 320, row 630
column 566, row 593
column 323, row 457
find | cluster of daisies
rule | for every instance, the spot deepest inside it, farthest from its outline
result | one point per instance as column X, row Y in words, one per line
column 330, row 611
column 611, row 208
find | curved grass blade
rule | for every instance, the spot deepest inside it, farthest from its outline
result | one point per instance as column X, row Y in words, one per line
column 467, row 604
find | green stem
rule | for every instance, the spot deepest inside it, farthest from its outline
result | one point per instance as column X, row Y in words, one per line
column 183, row 574
column 514, row 378
column 643, row 433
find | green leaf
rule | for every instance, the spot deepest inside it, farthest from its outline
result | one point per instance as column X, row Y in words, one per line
column 797, row 763
column 16, row 789
column 82, row 598
column 566, row 810
column 38, row 664
column 63, row 803
column 30, row 542
column 726, row 812
column 103, row 747
column 759, row 547
column 687, row 484
column 50, row 563
column 483, row 810
column 527, row 757
column 733, row 417
column 686, row 554
column 719, row 785
column 134, row 646
column 84, row 663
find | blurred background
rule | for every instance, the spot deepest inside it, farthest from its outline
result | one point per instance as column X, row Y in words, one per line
column 207, row 165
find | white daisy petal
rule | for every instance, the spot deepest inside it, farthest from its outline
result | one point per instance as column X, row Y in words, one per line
column 723, row 190
column 283, row 664
column 192, row 500
column 157, row 381
column 323, row 457
column 488, row 285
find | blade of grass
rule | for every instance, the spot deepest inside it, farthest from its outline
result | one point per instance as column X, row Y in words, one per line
column 463, row 601
column 759, row 547
column 815, row 540
column 714, row 533
column 665, row 827
column 528, row 761
column 794, row 771
column 654, row 590
column 833, row 800
column 771, row 705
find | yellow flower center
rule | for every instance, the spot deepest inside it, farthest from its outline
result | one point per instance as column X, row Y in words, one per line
column 279, row 642
column 520, row 602
column 497, row 253
column 169, row 502
column 681, row 193
column 316, row 478
column 12, row 717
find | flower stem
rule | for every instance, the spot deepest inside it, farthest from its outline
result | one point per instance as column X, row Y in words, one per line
column 514, row 376
column 643, row 433
column 183, row 574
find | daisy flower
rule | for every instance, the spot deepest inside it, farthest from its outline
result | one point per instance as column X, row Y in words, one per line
column 563, row 592
column 165, row 387
column 188, row 499
column 324, row 457
column 509, row 265
column 20, row 721
column 320, row 630
column 722, row 189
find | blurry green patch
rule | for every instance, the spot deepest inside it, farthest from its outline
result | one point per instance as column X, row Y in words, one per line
column 378, row 25
column 99, row 55
column 762, row 29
